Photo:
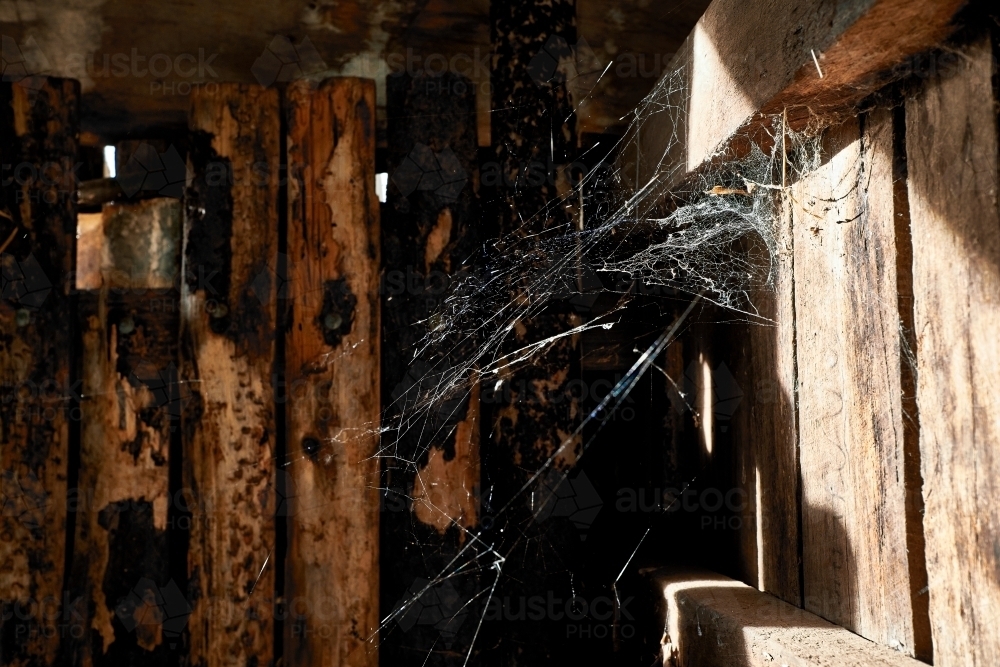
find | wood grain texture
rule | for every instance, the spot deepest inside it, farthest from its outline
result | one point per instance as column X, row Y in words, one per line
column 120, row 557
column 714, row 620
column 228, row 320
column 38, row 136
column 743, row 62
column 952, row 159
column 851, row 437
column 765, row 433
column 129, row 328
column 332, row 353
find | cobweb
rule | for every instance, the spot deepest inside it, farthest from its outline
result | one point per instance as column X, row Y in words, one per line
column 711, row 235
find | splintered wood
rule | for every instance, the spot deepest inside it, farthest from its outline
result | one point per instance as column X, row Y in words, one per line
column 332, row 352
column 952, row 158
column 228, row 323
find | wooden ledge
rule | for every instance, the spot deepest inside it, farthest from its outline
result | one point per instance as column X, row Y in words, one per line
column 713, row 620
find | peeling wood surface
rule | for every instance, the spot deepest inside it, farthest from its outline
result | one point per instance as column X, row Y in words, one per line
column 446, row 490
column 536, row 412
column 229, row 314
column 332, row 354
column 39, row 126
column 851, row 435
column 714, row 620
column 129, row 410
column 952, row 160
column 431, row 476
column 533, row 124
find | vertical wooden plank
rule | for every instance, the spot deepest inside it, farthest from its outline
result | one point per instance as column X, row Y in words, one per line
column 765, row 433
column 228, row 319
column 952, row 160
column 38, row 138
column 120, row 566
column 428, row 233
column 533, row 128
column 533, row 124
column 852, row 446
column 332, row 355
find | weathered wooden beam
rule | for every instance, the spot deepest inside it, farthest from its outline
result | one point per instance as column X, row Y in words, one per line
column 428, row 233
column 952, row 161
column 761, row 357
column 332, row 362
column 131, row 406
column 745, row 62
column 713, row 620
column 132, row 247
column 853, row 450
column 38, row 140
column 534, row 137
column 228, row 321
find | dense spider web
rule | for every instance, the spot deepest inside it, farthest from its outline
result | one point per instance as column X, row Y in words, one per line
column 711, row 235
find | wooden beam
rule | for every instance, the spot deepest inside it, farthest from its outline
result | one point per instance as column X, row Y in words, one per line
column 852, row 441
column 228, row 320
column 952, row 158
column 332, row 584
column 713, row 620
column 121, row 565
column 38, row 139
column 533, row 130
column 744, row 62
column 761, row 356
column 427, row 236
column 131, row 247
